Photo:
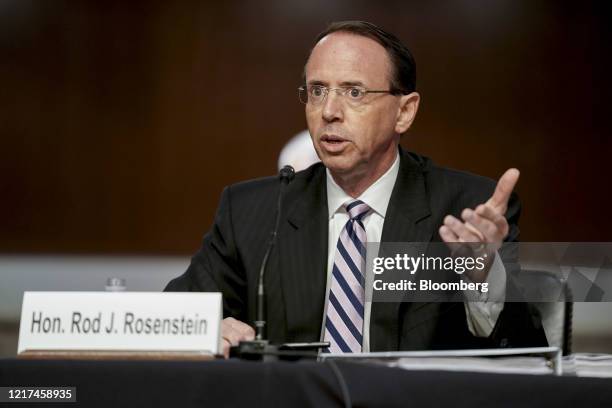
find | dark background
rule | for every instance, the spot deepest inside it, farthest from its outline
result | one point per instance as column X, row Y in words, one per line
column 120, row 122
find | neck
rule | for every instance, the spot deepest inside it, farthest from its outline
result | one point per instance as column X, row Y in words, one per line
column 355, row 183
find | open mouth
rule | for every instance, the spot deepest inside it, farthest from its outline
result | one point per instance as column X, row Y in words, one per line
column 333, row 143
column 332, row 139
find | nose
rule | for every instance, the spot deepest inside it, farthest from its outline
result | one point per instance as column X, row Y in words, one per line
column 332, row 107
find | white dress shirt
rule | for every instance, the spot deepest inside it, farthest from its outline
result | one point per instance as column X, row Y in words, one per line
column 481, row 314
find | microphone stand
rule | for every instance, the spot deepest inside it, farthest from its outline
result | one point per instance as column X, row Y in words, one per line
column 260, row 348
column 286, row 175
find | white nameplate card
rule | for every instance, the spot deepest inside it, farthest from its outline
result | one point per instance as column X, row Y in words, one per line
column 120, row 321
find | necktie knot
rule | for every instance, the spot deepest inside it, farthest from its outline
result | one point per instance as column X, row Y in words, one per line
column 356, row 209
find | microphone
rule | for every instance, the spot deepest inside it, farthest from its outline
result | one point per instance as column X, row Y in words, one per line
column 285, row 175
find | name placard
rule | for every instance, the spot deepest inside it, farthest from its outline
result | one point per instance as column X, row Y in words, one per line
column 120, row 321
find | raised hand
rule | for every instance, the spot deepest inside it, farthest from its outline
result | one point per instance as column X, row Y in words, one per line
column 486, row 224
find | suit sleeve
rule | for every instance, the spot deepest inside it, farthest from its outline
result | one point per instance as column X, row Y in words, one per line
column 518, row 324
column 217, row 266
column 482, row 310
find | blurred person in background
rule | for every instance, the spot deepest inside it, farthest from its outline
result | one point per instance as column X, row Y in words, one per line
column 298, row 152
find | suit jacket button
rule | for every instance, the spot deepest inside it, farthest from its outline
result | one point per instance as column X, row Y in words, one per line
column 503, row 342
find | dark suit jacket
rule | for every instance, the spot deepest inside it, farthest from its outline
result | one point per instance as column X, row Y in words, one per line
column 423, row 194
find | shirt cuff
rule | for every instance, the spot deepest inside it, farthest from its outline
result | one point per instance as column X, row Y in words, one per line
column 481, row 313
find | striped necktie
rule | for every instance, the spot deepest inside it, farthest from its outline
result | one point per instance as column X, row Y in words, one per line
column 344, row 317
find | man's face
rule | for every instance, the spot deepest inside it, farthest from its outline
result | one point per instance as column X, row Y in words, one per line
column 352, row 141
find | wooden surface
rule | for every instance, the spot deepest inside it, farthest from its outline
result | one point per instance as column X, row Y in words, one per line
column 114, row 355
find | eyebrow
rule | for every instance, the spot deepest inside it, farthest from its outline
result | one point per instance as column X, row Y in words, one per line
column 317, row 82
column 351, row 83
column 343, row 83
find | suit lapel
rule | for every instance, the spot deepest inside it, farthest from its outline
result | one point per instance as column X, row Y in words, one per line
column 407, row 220
column 302, row 246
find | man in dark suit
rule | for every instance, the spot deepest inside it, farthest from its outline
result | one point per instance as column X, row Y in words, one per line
column 360, row 98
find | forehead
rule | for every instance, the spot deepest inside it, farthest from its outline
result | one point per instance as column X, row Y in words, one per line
column 345, row 58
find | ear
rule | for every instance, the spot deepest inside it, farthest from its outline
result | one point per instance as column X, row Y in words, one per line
column 408, row 107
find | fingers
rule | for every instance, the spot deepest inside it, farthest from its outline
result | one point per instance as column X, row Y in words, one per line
column 494, row 224
column 484, row 225
column 491, row 225
column 226, row 348
column 233, row 332
column 245, row 331
column 458, row 230
column 236, row 331
column 503, row 190
column 448, row 235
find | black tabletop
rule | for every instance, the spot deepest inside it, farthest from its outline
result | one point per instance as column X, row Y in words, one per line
column 256, row 384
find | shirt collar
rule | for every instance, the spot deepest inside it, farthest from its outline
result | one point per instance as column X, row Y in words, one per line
column 376, row 196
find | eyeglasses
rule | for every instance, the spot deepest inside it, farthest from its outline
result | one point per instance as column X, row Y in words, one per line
column 355, row 95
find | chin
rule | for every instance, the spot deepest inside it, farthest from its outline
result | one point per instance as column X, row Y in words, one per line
column 338, row 165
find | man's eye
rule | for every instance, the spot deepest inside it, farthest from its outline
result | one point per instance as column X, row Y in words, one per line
column 355, row 93
column 316, row 91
